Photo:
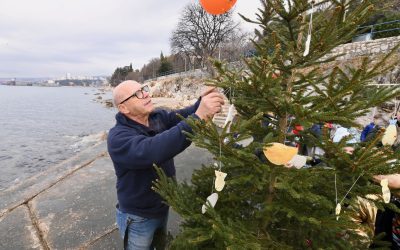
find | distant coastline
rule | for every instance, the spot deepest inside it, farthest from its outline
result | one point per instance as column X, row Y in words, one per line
column 82, row 81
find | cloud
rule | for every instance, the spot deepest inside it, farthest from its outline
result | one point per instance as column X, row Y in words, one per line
column 86, row 37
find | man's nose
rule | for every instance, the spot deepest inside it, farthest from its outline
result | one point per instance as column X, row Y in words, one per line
column 146, row 94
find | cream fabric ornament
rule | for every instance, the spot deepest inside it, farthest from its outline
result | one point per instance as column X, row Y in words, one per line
column 338, row 210
column 220, row 180
column 279, row 154
column 298, row 161
column 385, row 190
column 245, row 142
column 211, row 201
column 390, row 135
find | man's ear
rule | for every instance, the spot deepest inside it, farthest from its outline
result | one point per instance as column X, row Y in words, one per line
column 123, row 109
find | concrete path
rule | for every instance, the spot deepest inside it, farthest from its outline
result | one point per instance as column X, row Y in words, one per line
column 72, row 205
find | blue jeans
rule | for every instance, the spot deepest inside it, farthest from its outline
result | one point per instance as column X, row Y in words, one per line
column 142, row 233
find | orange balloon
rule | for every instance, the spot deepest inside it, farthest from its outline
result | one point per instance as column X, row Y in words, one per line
column 217, row 7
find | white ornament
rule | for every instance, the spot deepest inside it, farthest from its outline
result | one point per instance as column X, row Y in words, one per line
column 229, row 117
column 298, row 161
column 245, row 142
column 390, row 135
column 211, row 201
column 385, row 190
column 220, row 180
column 308, row 43
column 226, row 140
column 337, row 210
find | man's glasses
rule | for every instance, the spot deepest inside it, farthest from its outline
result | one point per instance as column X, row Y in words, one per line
column 139, row 94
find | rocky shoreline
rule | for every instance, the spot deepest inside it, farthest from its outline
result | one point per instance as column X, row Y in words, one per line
column 169, row 93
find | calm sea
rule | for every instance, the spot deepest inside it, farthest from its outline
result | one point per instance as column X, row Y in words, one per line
column 42, row 126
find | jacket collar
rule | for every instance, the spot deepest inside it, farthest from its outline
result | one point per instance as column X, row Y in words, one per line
column 125, row 121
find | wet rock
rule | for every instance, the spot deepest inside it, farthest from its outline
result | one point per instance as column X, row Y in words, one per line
column 17, row 231
column 18, row 194
column 108, row 103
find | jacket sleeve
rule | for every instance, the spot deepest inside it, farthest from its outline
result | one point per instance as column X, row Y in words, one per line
column 365, row 132
column 173, row 117
column 140, row 151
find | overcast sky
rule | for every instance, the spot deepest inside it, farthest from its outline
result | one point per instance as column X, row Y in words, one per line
column 49, row 38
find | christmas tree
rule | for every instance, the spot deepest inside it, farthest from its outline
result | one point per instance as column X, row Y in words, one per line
column 291, row 82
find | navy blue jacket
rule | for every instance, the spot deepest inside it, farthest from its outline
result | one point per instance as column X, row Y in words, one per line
column 134, row 148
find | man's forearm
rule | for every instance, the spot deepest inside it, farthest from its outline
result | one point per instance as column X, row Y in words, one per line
column 393, row 179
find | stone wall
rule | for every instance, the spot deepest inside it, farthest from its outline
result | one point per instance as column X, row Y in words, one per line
column 198, row 73
column 370, row 48
column 375, row 49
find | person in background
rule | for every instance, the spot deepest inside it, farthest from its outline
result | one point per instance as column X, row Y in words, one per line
column 141, row 138
column 370, row 130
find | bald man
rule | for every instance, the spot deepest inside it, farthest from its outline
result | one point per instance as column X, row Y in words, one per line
column 143, row 137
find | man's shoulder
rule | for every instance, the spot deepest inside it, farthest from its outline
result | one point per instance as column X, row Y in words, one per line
column 121, row 129
column 160, row 114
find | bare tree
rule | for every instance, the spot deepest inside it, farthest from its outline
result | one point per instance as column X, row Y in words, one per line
column 199, row 34
column 236, row 46
column 149, row 70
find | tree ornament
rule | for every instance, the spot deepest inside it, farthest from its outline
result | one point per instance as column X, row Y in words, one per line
column 211, row 201
column 298, row 161
column 337, row 210
column 245, row 142
column 220, row 180
column 390, row 135
column 229, row 117
column 279, row 154
column 385, row 190
column 308, row 41
column 217, row 7
column 365, row 216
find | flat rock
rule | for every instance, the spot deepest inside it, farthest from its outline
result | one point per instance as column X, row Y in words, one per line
column 17, row 231
column 79, row 209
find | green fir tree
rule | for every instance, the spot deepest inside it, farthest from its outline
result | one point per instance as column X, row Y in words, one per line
column 266, row 206
column 165, row 65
